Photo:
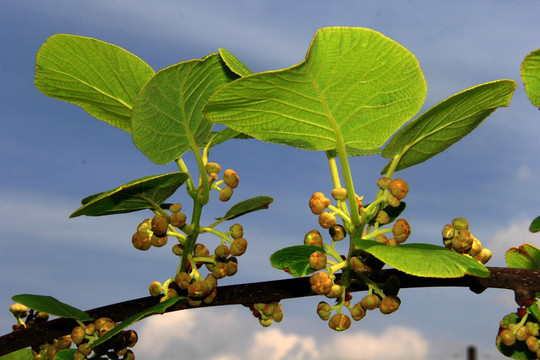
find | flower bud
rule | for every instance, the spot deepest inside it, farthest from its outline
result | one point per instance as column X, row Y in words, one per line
column 277, row 314
column 382, row 217
column 337, row 232
column 485, row 255
column 160, row 224
column 324, row 310
column 84, row 349
column 313, row 237
column 212, row 168
column 401, row 230
column 210, row 297
column 448, row 232
column 327, row 220
column 141, row 240
column 155, row 288
column 392, row 200
column 232, row 266
column 339, row 322
column 146, row 224
column 178, row 219
column 198, row 289
column 64, row 342
column 159, row 241
column 238, row 246
column 222, row 251
column 532, row 344
column 460, row 224
column 200, row 251
column 211, row 281
column 370, row 302
column 266, row 322
column 225, row 194
column 320, row 283
column 131, row 338
column 383, row 183
column 381, row 238
column 389, row 304
column 104, row 324
column 317, row 260
column 174, row 208
column 231, row 178
column 19, row 310
column 335, row 292
column 357, row 312
column 462, row 243
column 476, row 247
column 399, row 188
column 523, row 333
column 77, row 335
column 339, row 194
column 220, row 270
column 177, row 250
column 507, row 337
column 357, row 265
column 183, row 280
column 91, row 329
column 318, row 203
column 237, row 231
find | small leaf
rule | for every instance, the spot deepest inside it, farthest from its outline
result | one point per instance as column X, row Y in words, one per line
column 132, row 196
column 247, row 206
column 156, row 309
column 166, row 120
column 295, row 259
column 218, row 137
column 102, row 78
column 530, row 74
column 535, row 225
column 22, row 354
column 66, row 354
column 424, row 259
column 355, row 85
column 446, row 123
column 235, row 65
column 525, row 256
column 51, row 306
column 393, row 212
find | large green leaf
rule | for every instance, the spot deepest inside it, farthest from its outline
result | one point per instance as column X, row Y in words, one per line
column 133, row 196
column 530, row 74
column 355, row 84
column 247, row 206
column 424, row 259
column 102, row 78
column 23, row 354
column 167, row 120
column 156, row 309
column 295, row 259
column 51, row 306
column 525, row 256
column 447, row 122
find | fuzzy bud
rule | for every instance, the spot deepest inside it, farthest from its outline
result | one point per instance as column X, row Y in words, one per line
column 320, row 283
column 370, row 302
column 357, row 312
column 277, row 315
column 327, row 220
column 141, row 240
column 448, row 232
column 200, row 250
column 226, row 193
column 175, row 208
column 231, row 178
column 237, row 231
column 313, row 237
column 238, row 246
column 222, row 251
column 77, row 335
column 383, row 183
column 392, row 200
column 212, row 168
column 19, row 310
column 183, row 280
column 401, row 230
column 146, row 224
column 159, row 241
column 382, row 217
column 339, row 194
column 337, row 232
column 389, row 304
column 399, row 188
column 339, row 322
column 460, row 224
column 324, row 310
column 318, row 203
column 160, row 224
column 335, row 292
column 177, row 250
column 155, row 288
column 317, row 260
column 178, row 219
column 357, row 265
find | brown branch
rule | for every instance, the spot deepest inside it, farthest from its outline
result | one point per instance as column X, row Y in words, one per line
column 523, row 282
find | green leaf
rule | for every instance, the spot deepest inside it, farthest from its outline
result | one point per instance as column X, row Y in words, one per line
column 247, row 206
column 530, row 74
column 424, row 259
column 133, row 196
column 218, row 137
column 393, row 212
column 525, row 256
column 156, row 309
column 535, row 225
column 295, row 259
column 355, row 85
column 51, row 306
column 23, row 354
column 235, row 65
column 446, row 123
column 167, row 120
column 66, row 354
column 102, row 78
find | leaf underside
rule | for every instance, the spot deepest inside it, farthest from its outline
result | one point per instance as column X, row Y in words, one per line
column 530, row 74
column 355, row 84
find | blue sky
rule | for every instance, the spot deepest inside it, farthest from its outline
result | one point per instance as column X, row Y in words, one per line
column 54, row 154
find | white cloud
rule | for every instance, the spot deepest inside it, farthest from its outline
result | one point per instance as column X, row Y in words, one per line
column 232, row 334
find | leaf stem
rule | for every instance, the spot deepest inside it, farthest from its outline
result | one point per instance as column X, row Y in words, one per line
column 189, row 182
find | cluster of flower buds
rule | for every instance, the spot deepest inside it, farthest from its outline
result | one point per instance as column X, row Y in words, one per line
column 114, row 348
column 515, row 334
column 267, row 313
column 153, row 232
column 230, row 179
column 457, row 237
column 397, row 190
column 400, row 231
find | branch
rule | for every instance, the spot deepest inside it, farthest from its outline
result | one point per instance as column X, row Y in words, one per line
column 523, row 282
